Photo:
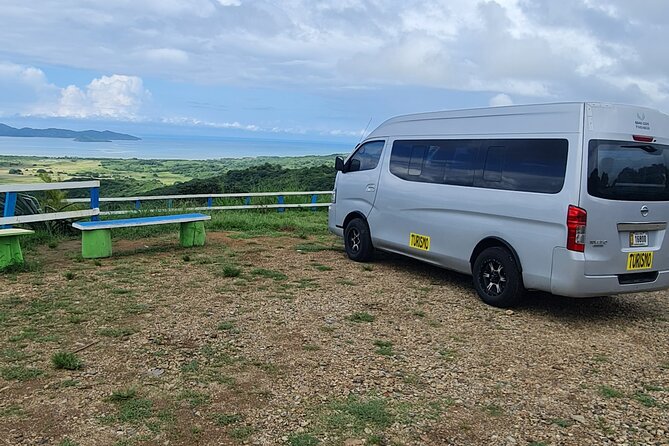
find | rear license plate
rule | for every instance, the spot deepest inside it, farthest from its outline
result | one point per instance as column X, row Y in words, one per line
column 639, row 260
column 638, row 239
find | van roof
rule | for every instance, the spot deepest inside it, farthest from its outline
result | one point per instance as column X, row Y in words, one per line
column 563, row 117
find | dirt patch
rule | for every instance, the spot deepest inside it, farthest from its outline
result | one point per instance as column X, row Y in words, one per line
column 284, row 341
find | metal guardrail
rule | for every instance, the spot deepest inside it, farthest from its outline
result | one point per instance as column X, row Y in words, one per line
column 280, row 205
column 11, row 190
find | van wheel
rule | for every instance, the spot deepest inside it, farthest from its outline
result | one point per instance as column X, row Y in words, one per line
column 497, row 279
column 357, row 241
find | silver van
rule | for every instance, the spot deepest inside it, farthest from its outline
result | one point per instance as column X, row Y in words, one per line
column 570, row 198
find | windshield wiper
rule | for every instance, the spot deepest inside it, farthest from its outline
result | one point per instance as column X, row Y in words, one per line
column 645, row 148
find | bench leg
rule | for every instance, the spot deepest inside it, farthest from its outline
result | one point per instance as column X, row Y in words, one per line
column 192, row 234
column 96, row 244
column 10, row 252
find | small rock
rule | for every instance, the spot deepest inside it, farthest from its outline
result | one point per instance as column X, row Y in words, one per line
column 508, row 312
column 579, row 418
column 354, row 442
column 156, row 373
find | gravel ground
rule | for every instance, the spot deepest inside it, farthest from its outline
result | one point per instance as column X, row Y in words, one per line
column 284, row 341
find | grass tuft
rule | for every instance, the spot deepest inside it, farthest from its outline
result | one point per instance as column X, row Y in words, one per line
column 302, row 440
column 610, row 392
column 20, row 373
column 361, row 317
column 66, row 361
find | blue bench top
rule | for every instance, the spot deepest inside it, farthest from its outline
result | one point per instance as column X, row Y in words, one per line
column 144, row 221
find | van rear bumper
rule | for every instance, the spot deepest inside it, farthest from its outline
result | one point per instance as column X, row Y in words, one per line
column 568, row 278
column 332, row 222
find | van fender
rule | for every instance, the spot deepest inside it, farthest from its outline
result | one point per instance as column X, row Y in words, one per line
column 351, row 216
column 490, row 242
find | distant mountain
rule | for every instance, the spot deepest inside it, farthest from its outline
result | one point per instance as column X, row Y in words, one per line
column 83, row 136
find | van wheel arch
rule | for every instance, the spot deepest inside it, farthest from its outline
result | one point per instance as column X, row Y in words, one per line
column 491, row 242
column 352, row 216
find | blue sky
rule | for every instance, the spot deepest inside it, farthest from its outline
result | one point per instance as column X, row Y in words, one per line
column 317, row 69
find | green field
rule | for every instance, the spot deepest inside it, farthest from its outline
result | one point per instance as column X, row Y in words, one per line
column 153, row 173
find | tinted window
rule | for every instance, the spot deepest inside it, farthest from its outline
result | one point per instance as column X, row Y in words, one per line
column 629, row 171
column 531, row 165
column 528, row 165
column 366, row 157
column 434, row 161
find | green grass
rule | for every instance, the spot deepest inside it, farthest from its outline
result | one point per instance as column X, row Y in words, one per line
column 320, row 267
column 268, row 273
column 231, row 271
column 610, row 392
column 68, row 442
column 361, row 316
column 226, row 419
column 66, row 361
column 494, row 410
column 241, row 433
column 194, row 398
column 226, row 326
column 359, row 413
column 645, row 399
column 12, row 411
column 384, row 348
column 123, row 395
column 20, row 373
column 116, row 332
column 191, row 366
column 562, row 422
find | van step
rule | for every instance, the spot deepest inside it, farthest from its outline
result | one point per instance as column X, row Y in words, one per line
column 628, row 279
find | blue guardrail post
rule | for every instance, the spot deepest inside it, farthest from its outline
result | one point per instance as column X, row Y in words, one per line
column 210, row 202
column 281, row 201
column 169, row 204
column 247, row 201
column 10, row 207
column 95, row 201
column 314, row 200
column 138, row 205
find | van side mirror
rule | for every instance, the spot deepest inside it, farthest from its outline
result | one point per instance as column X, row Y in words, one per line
column 339, row 164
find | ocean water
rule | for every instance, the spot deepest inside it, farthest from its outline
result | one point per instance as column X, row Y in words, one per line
column 162, row 147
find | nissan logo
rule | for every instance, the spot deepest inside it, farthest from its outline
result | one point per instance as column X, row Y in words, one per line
column 644, row 210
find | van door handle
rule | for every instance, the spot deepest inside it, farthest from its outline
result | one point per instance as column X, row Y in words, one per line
column 371, row 187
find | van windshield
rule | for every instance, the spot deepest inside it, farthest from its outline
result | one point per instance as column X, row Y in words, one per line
column 628, row 171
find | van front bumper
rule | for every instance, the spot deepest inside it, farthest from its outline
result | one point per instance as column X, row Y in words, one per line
column 568, row 278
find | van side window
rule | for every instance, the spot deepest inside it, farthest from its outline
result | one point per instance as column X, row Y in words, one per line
column 528, row 165
column 493, row 164
column 366, row 157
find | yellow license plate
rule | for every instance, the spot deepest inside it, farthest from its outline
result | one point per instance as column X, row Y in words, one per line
column 639, row 260
column 419, row 241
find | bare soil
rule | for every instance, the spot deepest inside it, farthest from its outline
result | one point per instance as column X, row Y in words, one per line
column 275, row 341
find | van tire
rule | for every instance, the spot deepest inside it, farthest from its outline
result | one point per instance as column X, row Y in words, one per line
column 497, row 278
column 357, row 241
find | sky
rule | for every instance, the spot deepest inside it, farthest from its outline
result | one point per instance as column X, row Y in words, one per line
column 317, row 68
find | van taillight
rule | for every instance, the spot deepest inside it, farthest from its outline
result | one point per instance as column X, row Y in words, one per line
column 642, row 138
column 576, row 221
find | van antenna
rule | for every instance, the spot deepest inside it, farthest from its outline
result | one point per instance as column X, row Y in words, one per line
column 362, row 135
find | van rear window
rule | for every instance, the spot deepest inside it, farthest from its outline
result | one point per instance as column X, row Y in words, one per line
column 628, row 171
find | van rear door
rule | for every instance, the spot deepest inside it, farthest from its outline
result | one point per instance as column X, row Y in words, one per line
column 626, row 197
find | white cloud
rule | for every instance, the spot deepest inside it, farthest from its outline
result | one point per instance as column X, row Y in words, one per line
column 500, row 100
column 167, row 55
column 529, row 49
column 113, row 97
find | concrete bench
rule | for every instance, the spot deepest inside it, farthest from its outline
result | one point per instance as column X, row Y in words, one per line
column 96, row 235
column 10, row 249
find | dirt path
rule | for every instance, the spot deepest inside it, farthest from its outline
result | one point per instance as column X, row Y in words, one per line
column 284, row 341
